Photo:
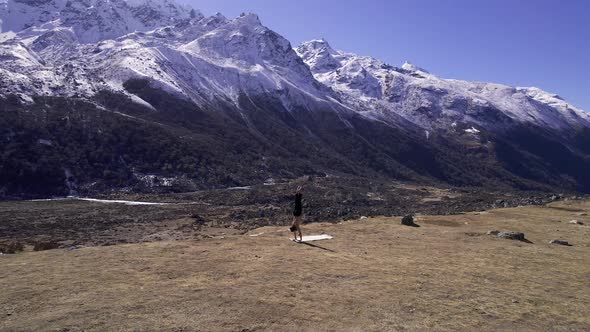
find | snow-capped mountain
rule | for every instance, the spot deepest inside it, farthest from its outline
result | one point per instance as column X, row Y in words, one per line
column 77, row 48
column 93, row 20
column 430, row 101
column 202, row 58
column 223, row 91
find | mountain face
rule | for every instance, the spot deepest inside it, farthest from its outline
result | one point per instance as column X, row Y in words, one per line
column 93, row 20
column 101, row 95
column 432, row 102
column 202, row 59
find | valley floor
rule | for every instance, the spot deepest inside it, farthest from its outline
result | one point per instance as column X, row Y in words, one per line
column 375, row 275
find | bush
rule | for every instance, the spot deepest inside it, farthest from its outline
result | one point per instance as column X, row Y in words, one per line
column 45, row 245
column 11, row 247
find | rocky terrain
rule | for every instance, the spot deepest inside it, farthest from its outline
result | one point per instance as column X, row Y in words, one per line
column 203, row 214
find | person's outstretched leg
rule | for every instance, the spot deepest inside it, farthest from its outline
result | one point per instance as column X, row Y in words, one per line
column 300, row 236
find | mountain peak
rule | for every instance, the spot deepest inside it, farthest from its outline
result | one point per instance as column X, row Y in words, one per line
column 317, row 45
column 249, row 18
column 319, row 55
column 413, row 68
column 219, row 16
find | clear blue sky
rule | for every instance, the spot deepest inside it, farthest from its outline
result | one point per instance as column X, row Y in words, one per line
column 539, row 43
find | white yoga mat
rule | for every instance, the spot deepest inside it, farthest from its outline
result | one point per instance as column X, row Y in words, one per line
column 310, row 238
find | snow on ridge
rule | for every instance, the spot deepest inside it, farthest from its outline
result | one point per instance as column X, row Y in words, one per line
column 430, row 101
column 411, row 67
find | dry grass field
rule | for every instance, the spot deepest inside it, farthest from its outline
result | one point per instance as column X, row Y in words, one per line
column 375, row 275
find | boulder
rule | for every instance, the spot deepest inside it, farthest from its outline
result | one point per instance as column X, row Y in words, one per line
column 511, row 235
column 409, row 221
column 508, row 235
column 576, row 222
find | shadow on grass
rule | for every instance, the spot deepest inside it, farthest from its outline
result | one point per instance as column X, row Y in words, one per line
column 316, row 246
column 411, row 225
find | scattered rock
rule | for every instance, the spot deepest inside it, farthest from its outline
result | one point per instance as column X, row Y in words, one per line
column 508, row 235
column 581, row 214
column 576, row 222
column 560, row 242
column 515, row 301
column 409, row 221
column 363, row 217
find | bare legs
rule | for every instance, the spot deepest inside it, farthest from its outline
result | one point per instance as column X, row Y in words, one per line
column 297, row 224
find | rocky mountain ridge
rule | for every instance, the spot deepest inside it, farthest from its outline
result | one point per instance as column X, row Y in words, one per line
column 430, row 101
column 221, row 90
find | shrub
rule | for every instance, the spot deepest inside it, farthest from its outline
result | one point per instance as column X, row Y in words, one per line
column 11, row 247
column 45, row 245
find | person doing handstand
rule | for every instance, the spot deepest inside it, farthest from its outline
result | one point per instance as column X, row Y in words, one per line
column 297, row 212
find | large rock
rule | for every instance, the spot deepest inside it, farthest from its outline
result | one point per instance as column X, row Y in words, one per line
column 508, row 235
column 409, row 221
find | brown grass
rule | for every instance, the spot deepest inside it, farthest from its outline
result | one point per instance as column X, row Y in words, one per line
column 375, row 275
